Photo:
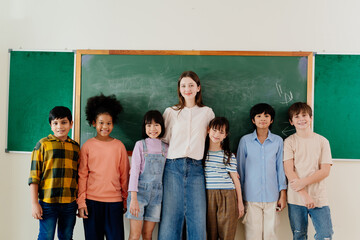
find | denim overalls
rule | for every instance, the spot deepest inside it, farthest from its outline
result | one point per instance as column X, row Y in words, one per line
column 150, row 187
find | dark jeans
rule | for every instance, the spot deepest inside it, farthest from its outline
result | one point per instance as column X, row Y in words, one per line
column 64, row 214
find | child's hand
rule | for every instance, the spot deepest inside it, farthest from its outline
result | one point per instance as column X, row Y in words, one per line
column 83, row 212
column 281, row 204
column 309, row 202
column 36, row 211
column 134, row 208
column 241, row 209
column 297, row 184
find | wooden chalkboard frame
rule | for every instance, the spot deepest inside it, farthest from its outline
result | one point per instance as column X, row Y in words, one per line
column 79, row 54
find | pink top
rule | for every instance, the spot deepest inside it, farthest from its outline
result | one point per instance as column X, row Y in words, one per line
column 103, row 172
column 138, row 161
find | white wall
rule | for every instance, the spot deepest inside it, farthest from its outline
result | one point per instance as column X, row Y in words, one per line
column 277, row 25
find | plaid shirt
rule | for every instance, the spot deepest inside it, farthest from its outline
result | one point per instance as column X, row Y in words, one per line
column 54, row 166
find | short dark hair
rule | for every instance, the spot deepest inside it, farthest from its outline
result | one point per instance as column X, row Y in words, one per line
column 148, row 118
column 60, row 112
column 102, row 104
column 262, row 108
column 299, row 107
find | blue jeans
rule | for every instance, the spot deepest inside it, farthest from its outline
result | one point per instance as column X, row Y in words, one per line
column 320, row 217
column 62, row 213
column 184, row 198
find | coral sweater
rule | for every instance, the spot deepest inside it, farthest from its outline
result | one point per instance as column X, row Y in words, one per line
column 103, row 172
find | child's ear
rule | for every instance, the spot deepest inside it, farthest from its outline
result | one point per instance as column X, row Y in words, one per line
column 208, row 130
column 94, row 123
column 253, row 121
column 291, row 123
column 71, row 124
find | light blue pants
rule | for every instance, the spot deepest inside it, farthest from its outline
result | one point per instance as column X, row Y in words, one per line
column 184, row 198
column 320, row 217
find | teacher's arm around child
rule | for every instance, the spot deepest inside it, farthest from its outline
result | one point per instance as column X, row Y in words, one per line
column 103, row 173
column 262, row 176
column 145, row 185
column 184, row 183
column 223, row 191
column 307, row 163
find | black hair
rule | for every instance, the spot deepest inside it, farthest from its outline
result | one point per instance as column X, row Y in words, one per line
column 148, row 118
column 262, row 108
column 60, row 112
column 102, row 105
column 218, row 123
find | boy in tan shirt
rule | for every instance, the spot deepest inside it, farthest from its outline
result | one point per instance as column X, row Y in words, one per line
column 307, row 162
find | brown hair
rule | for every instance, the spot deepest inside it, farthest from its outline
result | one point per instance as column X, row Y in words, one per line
column 198, row 97
column 297, row 108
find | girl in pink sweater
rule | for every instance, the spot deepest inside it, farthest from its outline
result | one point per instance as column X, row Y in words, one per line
column 103, row 173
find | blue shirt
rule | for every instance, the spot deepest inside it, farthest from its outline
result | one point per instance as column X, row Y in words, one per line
column 260, row 167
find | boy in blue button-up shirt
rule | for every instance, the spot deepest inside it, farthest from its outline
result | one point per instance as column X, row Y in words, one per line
column 262, row 177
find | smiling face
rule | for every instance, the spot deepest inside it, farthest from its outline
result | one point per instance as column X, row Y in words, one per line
column 104, row 125
column 301, row 121
column 217, row 135
column 188, row 89
column 61, row 127
column 262, row 120
column 153, row 129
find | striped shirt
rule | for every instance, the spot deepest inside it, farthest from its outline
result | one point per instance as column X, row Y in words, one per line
column 54, row 167
column 217, row 173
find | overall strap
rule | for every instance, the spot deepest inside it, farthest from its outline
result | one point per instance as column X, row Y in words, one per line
column 144, row 146
column 163, row 148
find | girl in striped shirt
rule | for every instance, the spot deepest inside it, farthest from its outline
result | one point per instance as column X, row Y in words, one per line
column 224, row 200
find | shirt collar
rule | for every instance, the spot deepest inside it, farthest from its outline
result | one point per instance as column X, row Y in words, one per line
column 270, row 136
column 51, row 137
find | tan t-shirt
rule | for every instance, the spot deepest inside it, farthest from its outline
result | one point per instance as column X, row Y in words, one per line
column 308, row 154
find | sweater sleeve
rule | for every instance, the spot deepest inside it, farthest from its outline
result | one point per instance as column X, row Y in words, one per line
column 83, row 176
column 136, row 160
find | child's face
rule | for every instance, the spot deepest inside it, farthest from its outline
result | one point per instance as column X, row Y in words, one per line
column 217, row 135
column 188, row 88
column 61, row 127
column 104, row 125
column 153, row 129
column 262, row 121
column 301, row 121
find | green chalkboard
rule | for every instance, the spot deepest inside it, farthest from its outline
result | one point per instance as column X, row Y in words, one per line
column 38, row 81
column 230, row 85
column 337, row 103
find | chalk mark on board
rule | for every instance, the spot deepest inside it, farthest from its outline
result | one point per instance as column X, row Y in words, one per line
column 286, row 131
column 288, row 97
column 279, row 90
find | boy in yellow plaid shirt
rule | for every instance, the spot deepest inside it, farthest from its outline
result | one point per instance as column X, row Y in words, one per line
column 53, row 178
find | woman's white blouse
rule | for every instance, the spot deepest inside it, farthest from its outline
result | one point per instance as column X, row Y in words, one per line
column 186, row 131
